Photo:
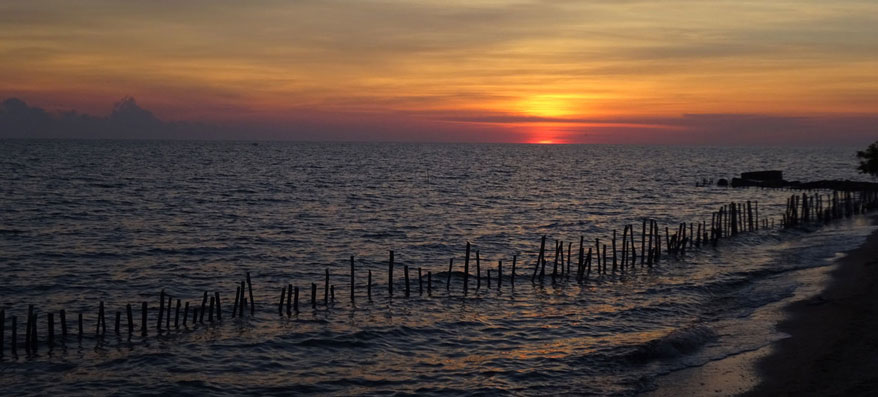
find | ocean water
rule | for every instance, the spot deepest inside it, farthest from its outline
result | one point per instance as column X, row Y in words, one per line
column 118, row 221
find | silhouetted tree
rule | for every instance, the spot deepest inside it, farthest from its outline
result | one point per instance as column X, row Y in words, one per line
column 869, row 160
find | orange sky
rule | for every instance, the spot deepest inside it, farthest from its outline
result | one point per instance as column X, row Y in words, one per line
column 530, row 71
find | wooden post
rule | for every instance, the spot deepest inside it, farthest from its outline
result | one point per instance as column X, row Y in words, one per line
column 235, row 306
column 296, row 300
column 326, row 286
column 102, row 321
column 203, row 308
column 129, row 315
column 756, row 208
column 63, row 319
column 633, row 248
column 209, row 311
column 369, row 286
column 478, row 272
column 158, row 325
column 252, row 301
column 280, row 304
column 499, row 275
column 177, row 315
column 353, row 285
column 13, row 338
column 313, row 296
column 624, row 247
column 219, row 309
column 142, row 320
column 512, row 277
column 2, row 331
column 588, row 264
column 406, row 273
column 390, row 277
column 168, row 316
column 289, row 300
column 539, row 259
column 567, row 273
column 555, row 262
column 466, row 269
column 50, row 317
column 33, row 337
column 488, row 272
column 420, row 283
column 118, row 322
column 643, row 243
column 614, row 251
column 448, row 283
column 605, row 259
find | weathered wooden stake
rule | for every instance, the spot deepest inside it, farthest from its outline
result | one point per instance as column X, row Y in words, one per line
column 466, row 269
column 478, row 272
column 420, row 283
column 252, row 301
column 50, row 317
column 118, row 322
column 280, row 304
column 168, row 317
column 128, row 314
column 540, row 261
column 512, row 277
column 102, row 321
column 313, row 296
column 448, row 283
column 406, row 272
column 237, row 297
column 488, row 278
column 158, row 325
column 369, row 286
column 289, row 300
column 326, row 288
column 353, row 284
column 203, row 308
column 390, row 277
column 499, row 275
column 614, row 251
column 177, row 314
column 142, row 320
column 63, row 319
column 13, row 338
column 210, row 311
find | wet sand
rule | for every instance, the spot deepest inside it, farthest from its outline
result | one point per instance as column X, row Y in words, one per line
column 832, row 349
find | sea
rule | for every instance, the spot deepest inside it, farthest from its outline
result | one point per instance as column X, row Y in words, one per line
column 118, row 222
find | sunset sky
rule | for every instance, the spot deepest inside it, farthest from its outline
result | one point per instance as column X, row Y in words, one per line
column 483, row 71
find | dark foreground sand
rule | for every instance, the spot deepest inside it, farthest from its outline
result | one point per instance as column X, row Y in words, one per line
column 833, row 348
column 832, row 351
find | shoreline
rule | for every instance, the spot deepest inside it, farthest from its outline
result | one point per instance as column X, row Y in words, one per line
column 831, row 349
column 833, row 346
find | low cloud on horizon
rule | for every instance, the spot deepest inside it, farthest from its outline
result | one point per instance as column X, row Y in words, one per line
column 128, row 120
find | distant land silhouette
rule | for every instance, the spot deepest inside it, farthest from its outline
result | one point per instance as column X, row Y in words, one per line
column 128, row 120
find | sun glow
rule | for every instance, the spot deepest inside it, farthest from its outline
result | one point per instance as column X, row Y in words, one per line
column 548, row 106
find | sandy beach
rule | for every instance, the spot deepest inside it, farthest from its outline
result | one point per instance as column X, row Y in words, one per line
column 832, row 349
